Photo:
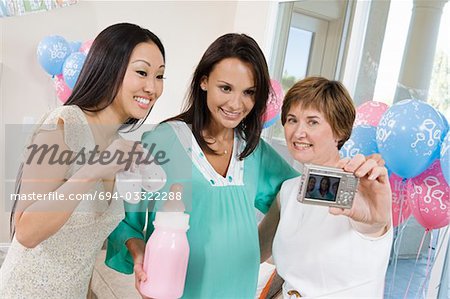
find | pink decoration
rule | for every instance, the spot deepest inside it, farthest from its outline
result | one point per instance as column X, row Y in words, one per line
column 428, row 195
column 400, row 206
column 370, row 113
column 86, row 46
column 62, row 90
column 274, row 102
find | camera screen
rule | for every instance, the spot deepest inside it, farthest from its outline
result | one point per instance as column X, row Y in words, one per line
column 322, row 187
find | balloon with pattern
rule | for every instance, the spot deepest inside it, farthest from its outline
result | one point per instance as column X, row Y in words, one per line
column 445, row 157
column 400, row 206
column 72, row 68
column 52, row 51
column 409, row 136
column 370, row 113
column 274, row 103
column 428, row 196
column 362, row 141
column 62, row 90
column 445, row 121
column 75, row 46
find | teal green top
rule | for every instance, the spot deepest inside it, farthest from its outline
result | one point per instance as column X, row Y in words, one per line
column 316, row 194
column 223, row 236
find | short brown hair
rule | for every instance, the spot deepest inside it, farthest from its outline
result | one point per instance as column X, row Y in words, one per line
column 329, row 97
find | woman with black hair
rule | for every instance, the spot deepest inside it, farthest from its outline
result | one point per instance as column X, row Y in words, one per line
column 226, row 170
column 324, row 190
column 55, row 243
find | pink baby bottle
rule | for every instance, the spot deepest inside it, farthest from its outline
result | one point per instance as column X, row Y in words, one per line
column 166, row 256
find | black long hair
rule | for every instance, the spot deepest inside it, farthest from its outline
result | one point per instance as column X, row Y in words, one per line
column 102, row 75
column 196, row 112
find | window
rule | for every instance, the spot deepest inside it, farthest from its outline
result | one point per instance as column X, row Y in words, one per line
column 392, row 52
column 311, row 34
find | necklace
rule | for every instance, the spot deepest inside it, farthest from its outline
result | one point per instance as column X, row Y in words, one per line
column 214, row 141
column 223, row 153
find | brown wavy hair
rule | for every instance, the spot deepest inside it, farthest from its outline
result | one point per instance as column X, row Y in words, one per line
column 196, row 112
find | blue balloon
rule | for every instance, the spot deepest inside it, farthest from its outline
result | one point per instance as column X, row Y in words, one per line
column 72, row 68
column 409, row 136
column 446, row 125
column 362, row 141
column 270, row 122
column 74, row 46
column 445, row 157
column 388, row 171
column 52, row 51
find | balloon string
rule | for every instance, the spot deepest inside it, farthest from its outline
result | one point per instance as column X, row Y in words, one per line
column 433, row 257
column 396, row 247
column 415, row 264
column 427, row 268
column 398, row 240
column 402, row 199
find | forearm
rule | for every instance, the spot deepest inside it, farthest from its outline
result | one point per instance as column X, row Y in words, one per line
column 136, row 247
column 371, row 230
column 267, row 230
column 265, row 242
column 43, row 218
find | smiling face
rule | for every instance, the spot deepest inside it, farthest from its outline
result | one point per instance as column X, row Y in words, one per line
column 230, row 90
column 142, row 84
column 324, row 184
column 334, row 188
column 309, row 137
column 311, row 183
column 329, row 101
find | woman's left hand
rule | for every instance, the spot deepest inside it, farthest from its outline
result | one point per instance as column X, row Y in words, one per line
column 371, row 210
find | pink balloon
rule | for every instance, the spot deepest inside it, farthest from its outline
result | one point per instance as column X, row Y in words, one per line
column 400, row 206
column 370, row 113
column 62, row 90
column 274, row 102
column 428, row 195
column 86, row 46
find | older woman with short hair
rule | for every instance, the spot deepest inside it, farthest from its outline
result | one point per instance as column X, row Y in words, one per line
column 326, row 251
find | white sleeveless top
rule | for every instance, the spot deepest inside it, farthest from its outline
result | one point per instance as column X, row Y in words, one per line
column 61, row 266
column 320, row 255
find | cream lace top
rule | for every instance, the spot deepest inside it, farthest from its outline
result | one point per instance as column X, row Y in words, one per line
column 61, row 266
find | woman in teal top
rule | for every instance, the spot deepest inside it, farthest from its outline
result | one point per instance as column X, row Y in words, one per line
column 214, row 150
column 324, row 190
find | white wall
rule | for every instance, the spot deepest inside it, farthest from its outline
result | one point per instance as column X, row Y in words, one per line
column 185, row 27
column 3, row 215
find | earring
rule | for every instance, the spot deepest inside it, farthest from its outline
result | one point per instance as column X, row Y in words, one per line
column 203, row 88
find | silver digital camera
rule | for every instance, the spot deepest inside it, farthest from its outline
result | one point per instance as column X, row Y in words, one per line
column 327, row 186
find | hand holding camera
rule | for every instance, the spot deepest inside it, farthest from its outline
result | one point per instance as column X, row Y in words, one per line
column 327, row 186
column 368, row 202
column 371, row 211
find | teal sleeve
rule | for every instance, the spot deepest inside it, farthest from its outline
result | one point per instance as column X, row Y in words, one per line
column 274, row 170
column 132, row 226
column 117, row 255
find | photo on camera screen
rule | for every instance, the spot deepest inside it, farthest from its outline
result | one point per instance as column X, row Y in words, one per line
column 322, row 187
